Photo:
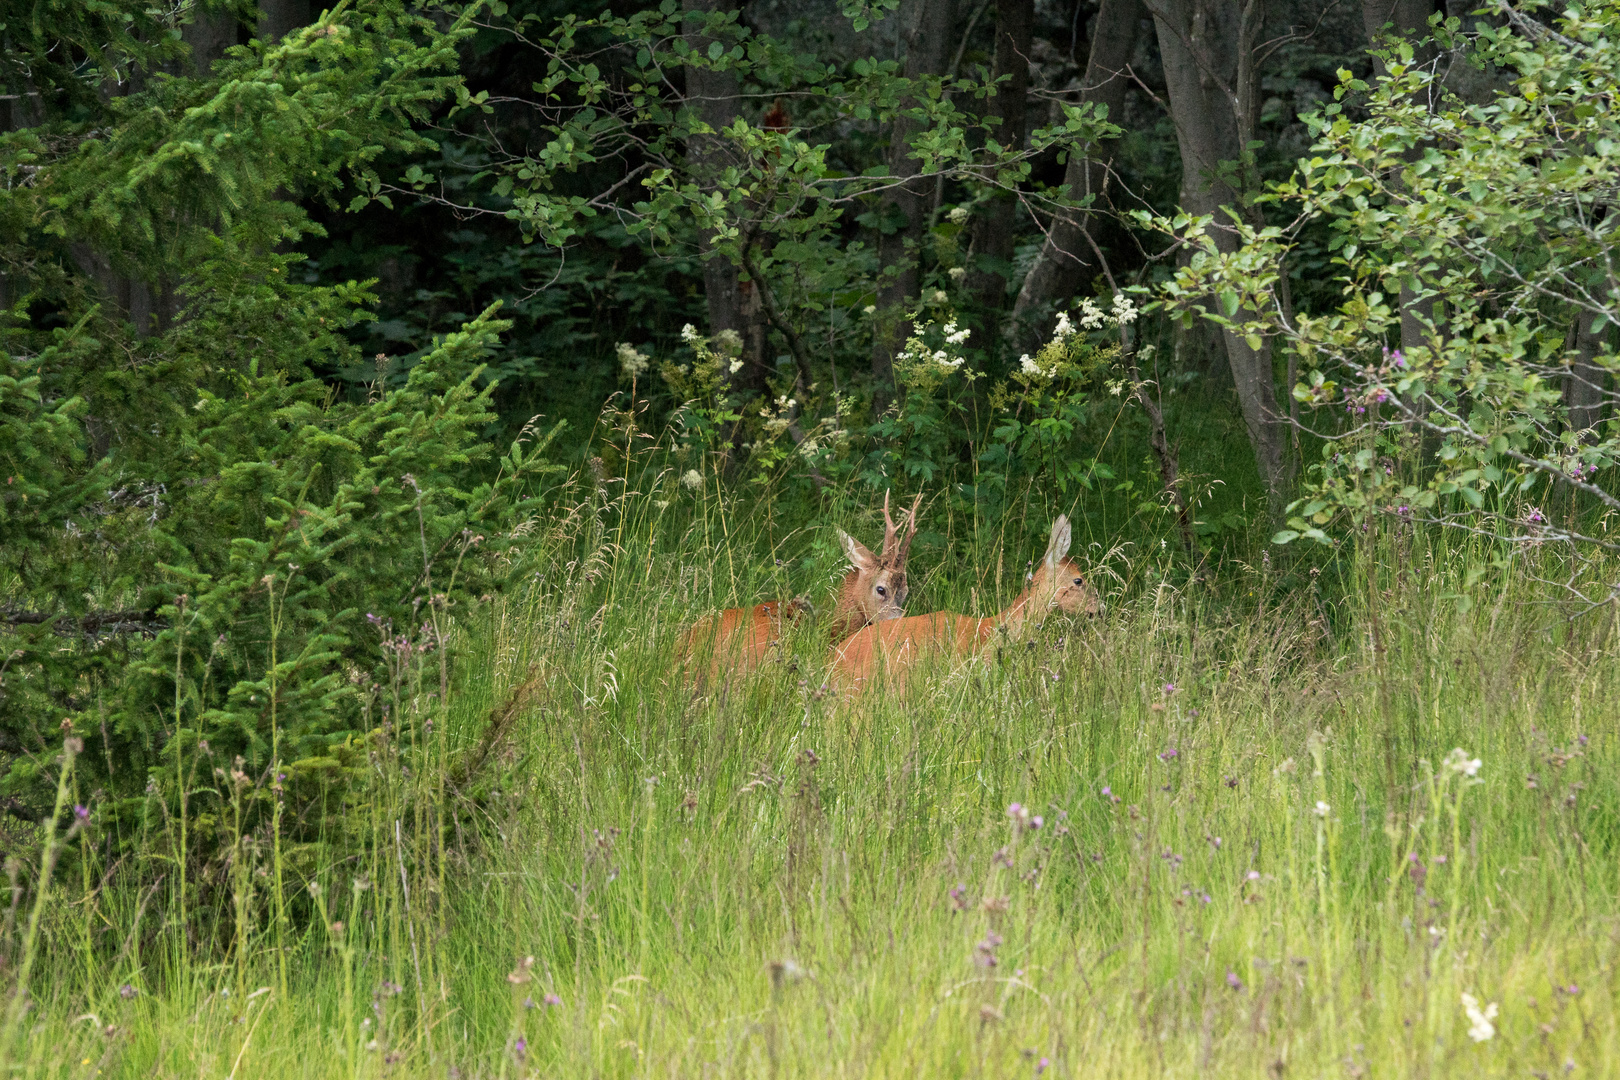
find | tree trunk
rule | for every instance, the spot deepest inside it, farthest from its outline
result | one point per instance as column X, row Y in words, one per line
column 1586, row 385
column 732, row 304
column 208, row 35
column 991, row 249
column 925, row 31
column 1407, row 19
column 1208, row 52
column 278, row 18
column 1056, row 273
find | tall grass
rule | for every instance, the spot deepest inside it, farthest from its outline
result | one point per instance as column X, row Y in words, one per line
column 1219, row 830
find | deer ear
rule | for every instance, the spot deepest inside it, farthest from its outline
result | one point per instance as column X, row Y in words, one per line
column 857, row 552
column 1058, row 546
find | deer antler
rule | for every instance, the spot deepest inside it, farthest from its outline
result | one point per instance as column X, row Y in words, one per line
column 904, row 547
column 891, row 540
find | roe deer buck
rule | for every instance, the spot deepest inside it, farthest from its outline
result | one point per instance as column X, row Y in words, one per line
column 874, row 590
column 894, row 646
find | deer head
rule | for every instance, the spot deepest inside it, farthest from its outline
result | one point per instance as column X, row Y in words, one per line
column 1059, row 582
column 875, row 590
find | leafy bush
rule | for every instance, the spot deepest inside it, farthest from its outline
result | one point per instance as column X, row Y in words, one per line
column 201, row 544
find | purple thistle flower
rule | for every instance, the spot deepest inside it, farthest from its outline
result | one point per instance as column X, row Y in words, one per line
column 81, row 812
column 1042, row 1065
column 552, row 999
column 521, row 1047
column 1233, row 981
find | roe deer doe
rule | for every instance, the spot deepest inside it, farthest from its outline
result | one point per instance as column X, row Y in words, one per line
column 893, row 647
column 739, row 639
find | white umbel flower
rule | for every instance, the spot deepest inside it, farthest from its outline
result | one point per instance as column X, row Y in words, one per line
column 1459, row 762
column 1091, row 316
column 1124, row 310
column 631, row 362
column 1480, row 1027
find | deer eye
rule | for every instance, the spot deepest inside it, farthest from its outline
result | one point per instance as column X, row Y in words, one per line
column 1079, row 581
column 881, row 591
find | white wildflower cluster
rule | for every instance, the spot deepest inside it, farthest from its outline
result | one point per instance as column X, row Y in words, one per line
column 777, row 421
column 1458, row 763
column 1124, row 310
column 869, row 309
column 958, row 274
column 1046, row 363
column 958, row 215
column 1480, row 1027
column 693, row 479
column 919, row 356
column 938, row 296
column 631, row 362
column 689, row 334
column 1028, row 366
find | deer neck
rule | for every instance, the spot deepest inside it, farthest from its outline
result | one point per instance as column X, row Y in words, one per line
column 1031, row 603
column 846, row 615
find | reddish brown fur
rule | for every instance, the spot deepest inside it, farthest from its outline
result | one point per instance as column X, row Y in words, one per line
column 892, row 647
column 740, row 639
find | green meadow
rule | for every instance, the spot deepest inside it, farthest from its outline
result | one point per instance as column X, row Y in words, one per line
column 1221, row 829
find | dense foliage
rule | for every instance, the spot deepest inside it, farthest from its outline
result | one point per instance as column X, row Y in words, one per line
column 309, row 325
column 202, row 543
